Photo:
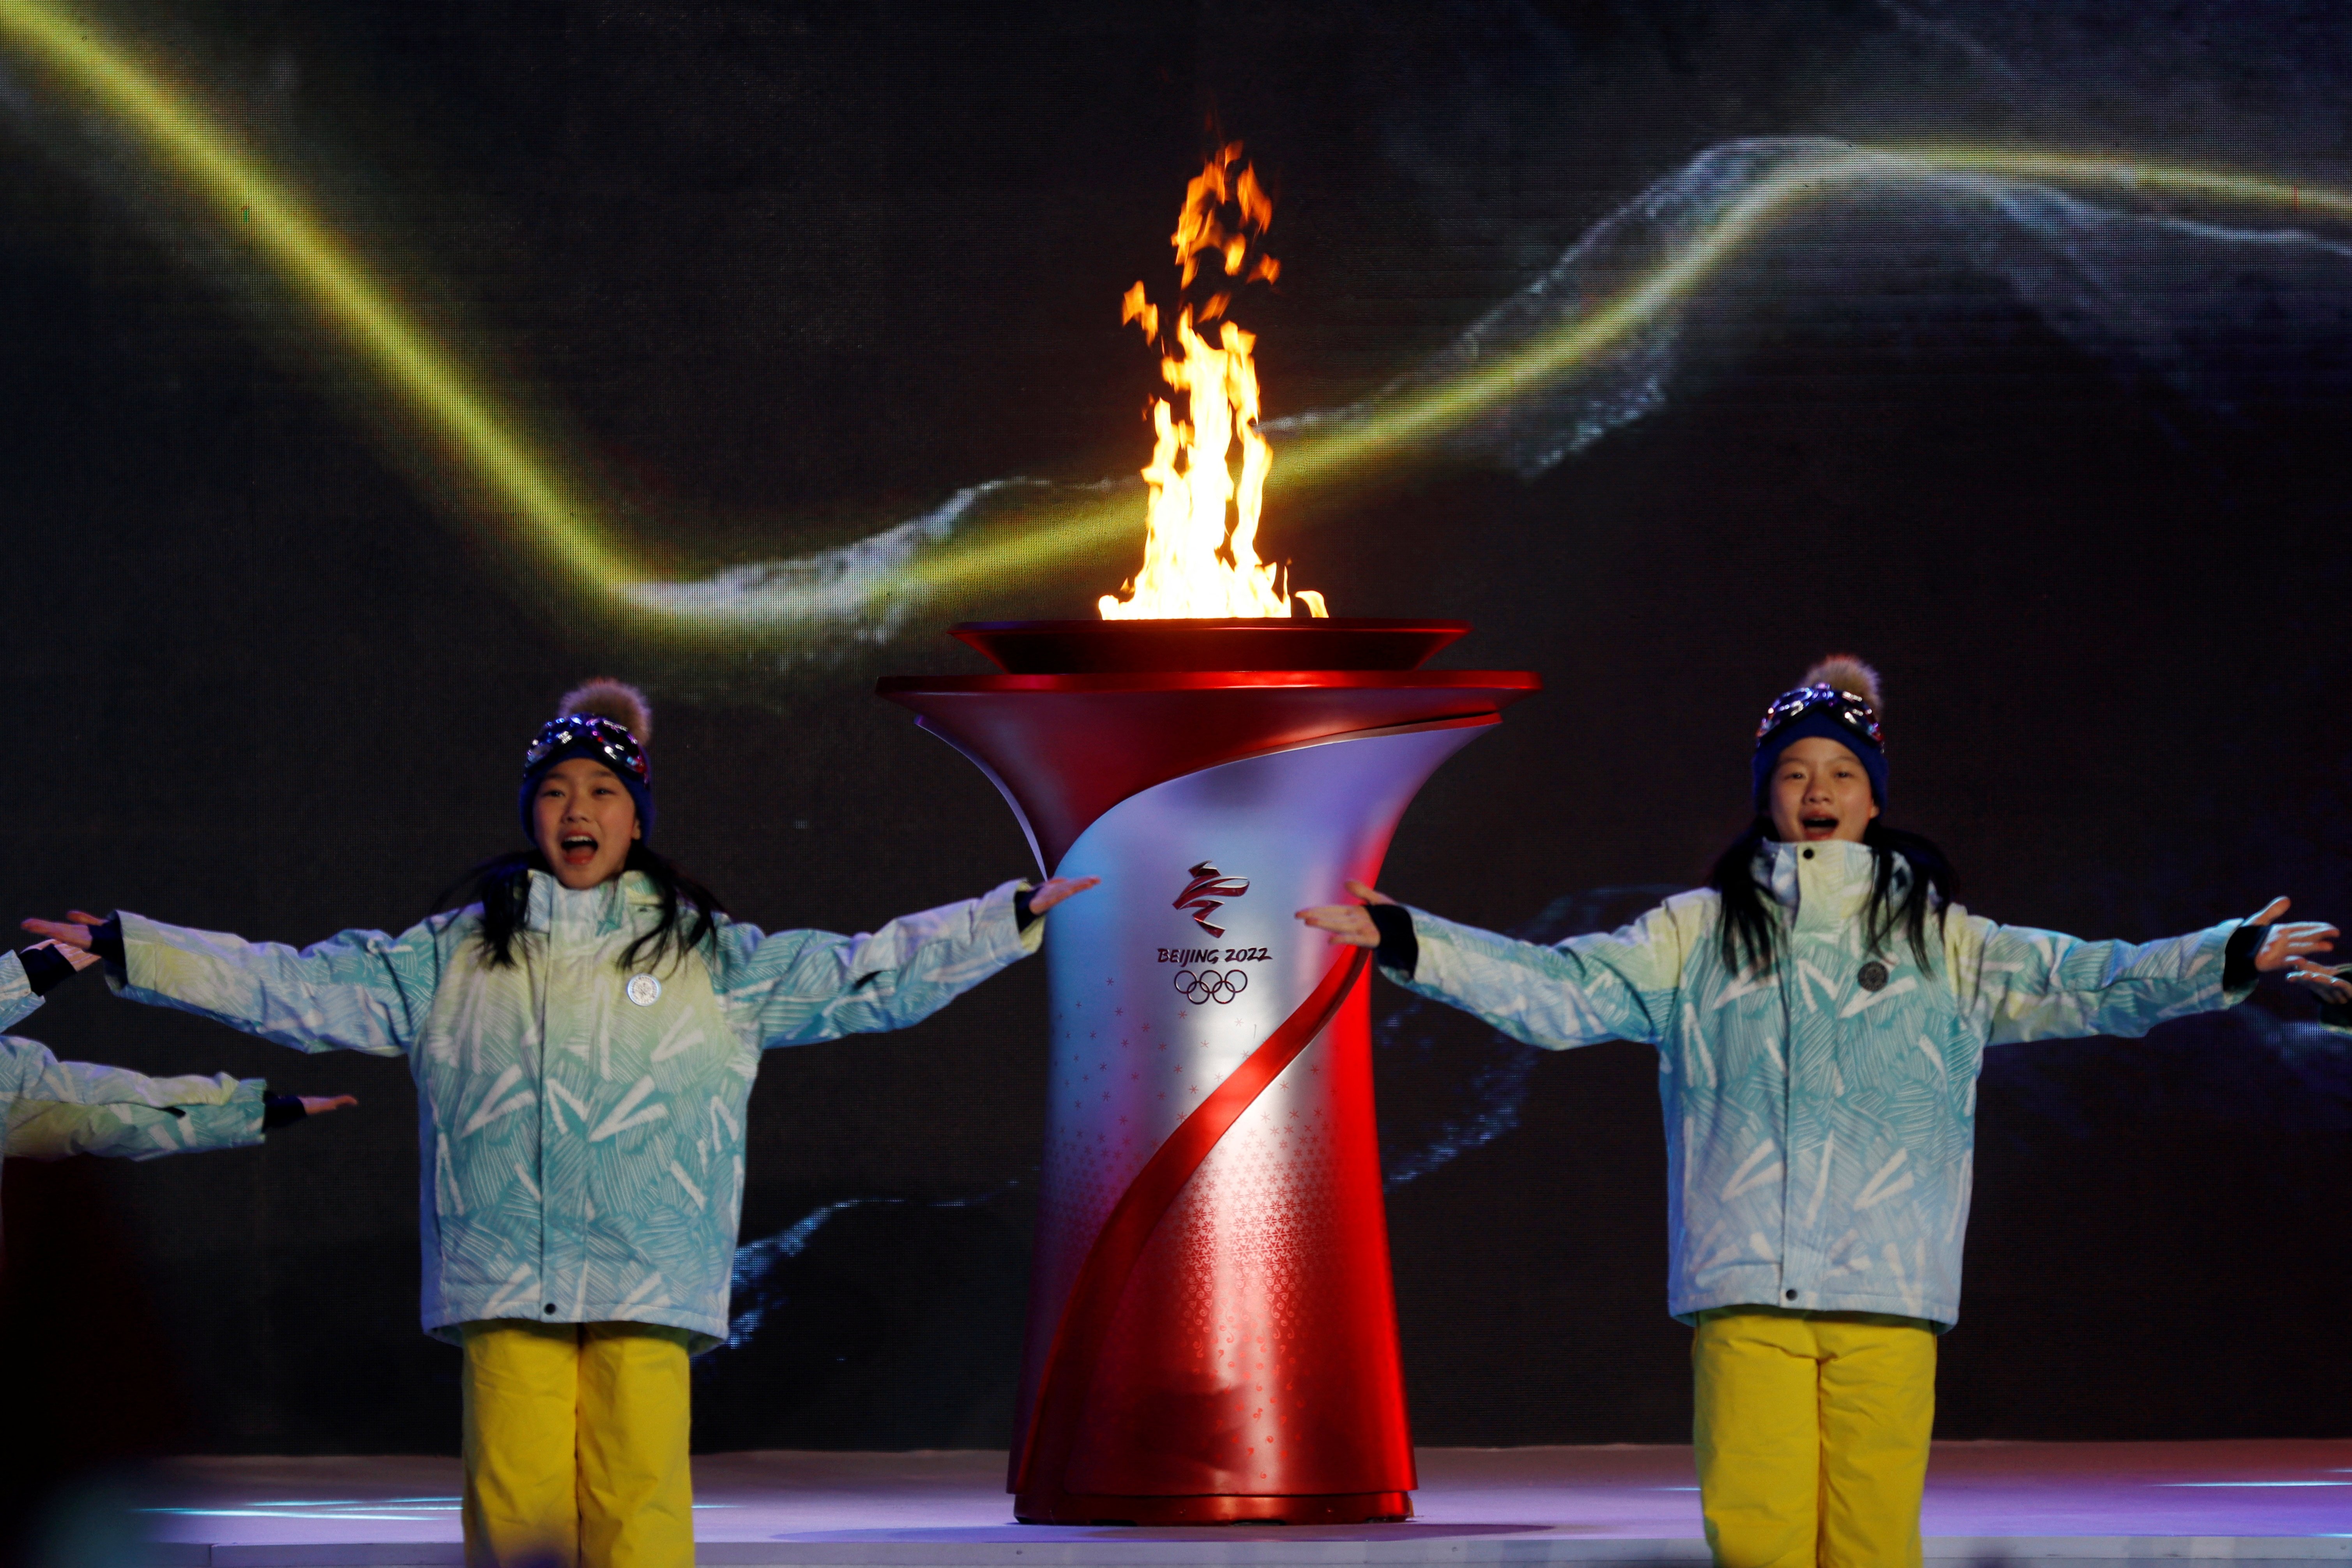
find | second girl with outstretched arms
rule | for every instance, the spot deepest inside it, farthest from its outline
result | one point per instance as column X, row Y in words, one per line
column 1821, row 1012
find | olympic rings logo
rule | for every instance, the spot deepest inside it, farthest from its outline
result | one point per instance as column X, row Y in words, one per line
column 1209, row 986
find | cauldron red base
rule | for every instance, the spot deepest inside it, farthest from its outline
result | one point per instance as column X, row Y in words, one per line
column 1333, row 1507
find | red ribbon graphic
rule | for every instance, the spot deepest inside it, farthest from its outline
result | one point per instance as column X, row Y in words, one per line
column 1118, row 1246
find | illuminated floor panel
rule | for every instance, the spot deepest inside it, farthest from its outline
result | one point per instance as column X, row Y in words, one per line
column 2105, row 1503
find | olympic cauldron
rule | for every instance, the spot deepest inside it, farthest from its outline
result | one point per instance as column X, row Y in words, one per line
column 1211, row 1328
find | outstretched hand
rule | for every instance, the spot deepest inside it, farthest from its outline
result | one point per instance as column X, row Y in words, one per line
column 74, row 931
column 2286, row 946
column 1348, row 924
column 2283, row 949
column 319, row 1104
column 1055, row 889
column 2331, row 985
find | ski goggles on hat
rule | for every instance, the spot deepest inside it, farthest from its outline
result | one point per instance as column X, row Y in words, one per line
column 1850, row 711
column 587, row 734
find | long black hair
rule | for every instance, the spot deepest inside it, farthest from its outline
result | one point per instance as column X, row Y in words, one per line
column 502, row 885
column 1750, row 928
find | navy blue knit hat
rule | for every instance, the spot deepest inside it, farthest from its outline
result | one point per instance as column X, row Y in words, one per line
column 1839, row 700
column 604, row 721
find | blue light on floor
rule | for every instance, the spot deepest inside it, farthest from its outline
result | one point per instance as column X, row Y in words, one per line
column 2250, row 1483
column 278, row 1513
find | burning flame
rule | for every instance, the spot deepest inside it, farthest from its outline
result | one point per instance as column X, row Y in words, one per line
column 1200, row 548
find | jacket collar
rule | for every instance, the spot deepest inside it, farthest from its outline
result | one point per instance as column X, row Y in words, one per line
column 1822, row 884
column 552, row 906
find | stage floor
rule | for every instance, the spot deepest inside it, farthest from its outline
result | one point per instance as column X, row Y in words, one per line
column 2105, row 1503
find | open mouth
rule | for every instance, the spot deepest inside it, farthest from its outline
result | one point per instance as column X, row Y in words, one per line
column 577, row 849
column 1819, row 827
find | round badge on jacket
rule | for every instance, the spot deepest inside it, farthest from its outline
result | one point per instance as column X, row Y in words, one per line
column 643, row 990
column 1872, row 977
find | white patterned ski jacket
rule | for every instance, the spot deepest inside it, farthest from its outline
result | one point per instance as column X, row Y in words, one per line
column 580, row 1128
column 1821, row 1121
column 49, row 1109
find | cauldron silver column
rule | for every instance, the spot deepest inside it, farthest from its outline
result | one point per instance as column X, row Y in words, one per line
column 1213, row 1332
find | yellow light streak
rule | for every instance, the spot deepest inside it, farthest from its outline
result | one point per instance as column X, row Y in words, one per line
column 522, row 491
column 1779, row 196
column 552, row 517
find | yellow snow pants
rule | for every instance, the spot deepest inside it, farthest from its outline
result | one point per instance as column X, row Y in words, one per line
column 1811, row 1436
column 576, row 1446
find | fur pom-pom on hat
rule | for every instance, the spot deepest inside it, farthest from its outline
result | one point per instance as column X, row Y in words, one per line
column 618, row 700
column 1842, row 670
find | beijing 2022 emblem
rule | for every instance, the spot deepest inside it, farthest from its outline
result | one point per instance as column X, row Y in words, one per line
column 1209, row 891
